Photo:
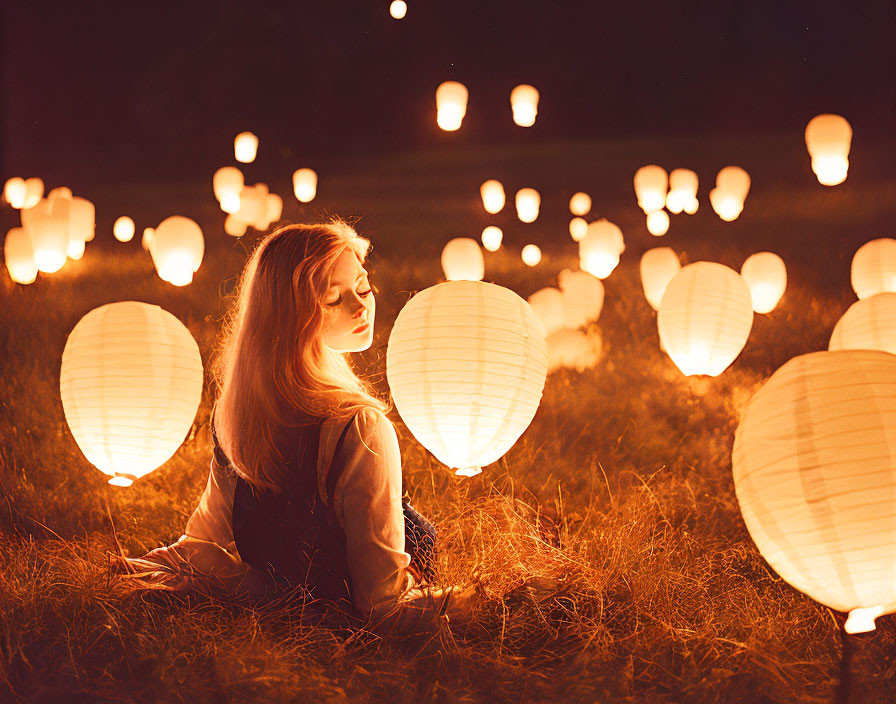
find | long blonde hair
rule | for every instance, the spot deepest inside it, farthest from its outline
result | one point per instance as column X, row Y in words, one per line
column 272, row 369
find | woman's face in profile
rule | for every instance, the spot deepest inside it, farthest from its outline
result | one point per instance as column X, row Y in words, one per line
column 349, row 306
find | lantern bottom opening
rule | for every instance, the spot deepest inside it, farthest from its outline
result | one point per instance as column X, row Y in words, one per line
column 122, row 479
column 862, row 620
column 468, row 471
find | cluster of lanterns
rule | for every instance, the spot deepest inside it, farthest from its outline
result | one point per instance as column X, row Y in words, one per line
column 528, row 204
column 451, row 105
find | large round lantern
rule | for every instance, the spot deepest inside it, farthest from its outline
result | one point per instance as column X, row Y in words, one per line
column 131, row 382
column 124, row 229
column 14, row 191
column 245, row 147
column 531, row 254
column 814, row 476
column 528, row 201
column 492, row 237
column 705, row 318
column 462, row 260
column 466, row 364
column 651, row 184
column 493, row 197
column 828, row 138
column 227, row 182
column 47, row 226
column 599, row 251
column 583, row 297
column 451, row 105
column 19, row 255
column 304, row 185
column 766, row 275
column 524, row 103
column 869, row 324
column 658, row 267
column 177, row 249
column 873, row 268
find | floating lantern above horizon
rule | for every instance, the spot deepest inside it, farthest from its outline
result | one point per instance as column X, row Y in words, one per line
column 451, row 105
column 470, row 415
column 304, row 185
column 580, row 204
column 601, row 248
column 19, row 254
column 868, row 324
column 398, row 9
column 531, row 254
column 813, row 473
column 131, row 382
column 227, row 182
column 766, row 275
column 578, row 228
column 14, row 191
column 730, row 193
column 873, row 268
column 651, row 183
column 528, row 202
column 46, row 224
column 682, row 194
column 493, row 198
column 828, row 138
column 705, row 318
column 245, row 147
column 583, row 297
column 658, row 267
column 462, row 260
column 524, row 104
column 177, row 248
column 124, row 229
column 492, row 237
column 658, row 223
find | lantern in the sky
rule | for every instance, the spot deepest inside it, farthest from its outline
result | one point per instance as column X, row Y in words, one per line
column 524, row 103
column 398, row 9
column 766, row 275
column 19, row 255
column 227, row 182
column 868, row 324
column 492, row 237
column 528, row 201
column 814, row 476
column 580, row 204
column 451, row 105
column 177, row 249
column 304, row 185
column 254, row 206
column 467, row 391
column 548, row 305
column 578, row 228
column 47, row 225
column 658, row 223
column 462, row 260
column 651, row 184
column 732, row 187
column 682, row 191
column 146, row 239
column 873, row 268
column 245, row 147
column 705, row 318
column 14, row 192
column 34, row 191
column 124, row 229
column 599, row 251
column 583, row 297
column 131, row 382
column 828, row 138
column 658, row 267
column 531, row 254
column 234, row 227
column 573, row 349
column 275, row 208
column 493, row 197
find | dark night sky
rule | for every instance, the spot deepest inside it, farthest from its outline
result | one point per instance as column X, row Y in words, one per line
column 142, row 90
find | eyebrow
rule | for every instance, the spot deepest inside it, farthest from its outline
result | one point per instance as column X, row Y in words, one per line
column 360, row 276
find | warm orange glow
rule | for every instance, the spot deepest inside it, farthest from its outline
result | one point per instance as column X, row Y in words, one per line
column 651, row 183
column 524, row 103
column 828, row 138
column 275, row 208
column 14, row 191
column 583, row 297
column 47, row 226
column 146, row 240
column 658, row 223
column 254, row 206
column 304, row 185
column 234, row 227
column 462, row 260
column 398, row 9
column 600, row 250
column 868, row 324
column 547, row 304
column 658, row 267
column 580, row 204
column 732, row 187
column 227, row 183
column 451, row 105
column 19, row 255
column 578, row 228
column 683, row 185
column 531, row 255
column 124, row 229
column 492, row 237
column 34, row 191
column 766, row 275
column 528, row 201
column 245, row 147
column 177, row 249
column 493, row 197
column 873, row 268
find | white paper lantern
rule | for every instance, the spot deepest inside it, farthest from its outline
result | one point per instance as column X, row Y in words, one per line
column 651, row 184
column 873, row 268
column 124, row 229
column 573, row 349
column 492, row 237
column 868, row 324
column 814, row 476
column 599, row 251
column 462, row 260
column 705, row 318
column 493, row 197
column 131, row 382
column 658, row 223
column 528, row 201
column 658, row 267
column 524, row 103
column 531, row 254
column 583, row 297
column 466, row 364
column 47, row 227
column 14, row 191
column 548, row 305
column 398, row 9
column 828, row 138
column 766, row 275
column 304, row 185
column 578, row 228
column 451, row 105
column 177, row 249
column 227, row 182
column 245, row 147
column 19, row 255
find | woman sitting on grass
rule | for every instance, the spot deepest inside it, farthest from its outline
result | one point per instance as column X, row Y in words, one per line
column 305, row 488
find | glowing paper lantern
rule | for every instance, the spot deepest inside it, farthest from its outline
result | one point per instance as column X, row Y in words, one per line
column 573, row 349
column 60, row 192
column 14, row 192
column 34, row 191
column 177, row 249
column 124, row 229
column 658, row 223
column 466, row 364
column 131, row 382
column 524, row 103
column 75, row 248
column 682, row 190
column 531, row 254
column 493, row 198
column 869, row 324
column 583, row 297
column 492, row 237
column 732, row 187
column 814, row 476
column 254, row 206
column 548, row 305
column 47, row 226
column 658, row 267
column 828, row 138
column 766, row 275
column 304, row 185
column 19, row 254
column 873, row 268
column 234, row 227
column 528, row 201
column 578, row 228
column 451, row 105
column 600, row 250
column 275, row 208
column 651, row 184
column 398, row 9
column 245, row 147
column 82, row 219
column 462, row 260
column 146, row 240
column 705, row 318
column 580, row 204
column 227, row 182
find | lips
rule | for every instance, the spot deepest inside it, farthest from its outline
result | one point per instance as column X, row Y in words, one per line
column 361, row 328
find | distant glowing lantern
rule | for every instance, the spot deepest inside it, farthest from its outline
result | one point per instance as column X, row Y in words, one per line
column 177, row 249
column 528, row 201
column 131, row 383
column 82, row 219
column 813, row 473
column 531, row 254
column 227, row 183
column 234, row 227
column 451, row 105
column 254, row 206
column 60, row 192
column 600, row 250
column 452, row 383
column 658, row 267
column 19, row 255
column 493, row 197
column 658, row 223
column 578, row 228
column 146, row 240
column 580, row 204
column 34, row 191
column 245, row 147
column 868, row 324
column 705, row 318
column 492, row 237
column 14, row 192
column 462, row 260
column 732, row 187
column 583, row 297
column 573, row 349
column 275, row 208
column 691, row 206
column 398, row 9
column 873, row 267
column 124, row 229
column 304, row 185
column 47, row 226
column 766, row 275
column 682, row 190
column 75, row 248
column 651, row 184
column 524, row 103
column 548, row 305
column 828, row 138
